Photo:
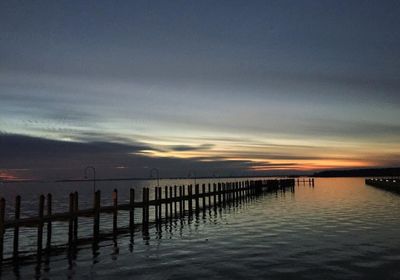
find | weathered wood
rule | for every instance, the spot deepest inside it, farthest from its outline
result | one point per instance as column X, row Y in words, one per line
column 219, row 193
column 209, row 195
column 203, row 192
column 144, row 206
column 148, row 206
column 175, row 200
column 17, row 215
column 190, row 197
column 226, row 193
column 180, row 201
column 131, row 210
column 215, row 195
column 197, row 204
column 96, row 216
column 76, row 210
column 183, row 199
column 159, row 206
column 49, row 223
column 224, row 187
column 171, row 202
column 115, row 212
column 71, row 219
column 166, row 203
column 157, row 201
column 40, row 226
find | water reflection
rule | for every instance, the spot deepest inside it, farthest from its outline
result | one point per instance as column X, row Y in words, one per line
column 340, row 229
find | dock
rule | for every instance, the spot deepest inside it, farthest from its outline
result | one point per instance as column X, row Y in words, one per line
column 169, row 202
column 390, row 184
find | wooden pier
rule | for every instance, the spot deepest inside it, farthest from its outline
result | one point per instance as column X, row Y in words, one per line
column 390, row 184
column 169, row 202
column 305, row 180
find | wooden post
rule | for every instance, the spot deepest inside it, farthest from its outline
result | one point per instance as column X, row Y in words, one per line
column 115, row 211
column 235, row 191
column 156, row 204
column 76, row 209
column 224, row 193
column 183, row 199
column 159, row 206
column 147, row 206
column 175, row 200
column 232, row 191
column 71, row 219
column 209, row 195
column 131, row 210
column 144, row 207
column 17, row 216
column 40, row 226
column 49, row 225
column 171, row 202
column 190, row 194
column 219, row 194
column 228, row 192
column 203, row 192
column 166, row 203
column 215, row 195
column 180, row 201
column 96, row 217
column 2, row 230
column 196, row 193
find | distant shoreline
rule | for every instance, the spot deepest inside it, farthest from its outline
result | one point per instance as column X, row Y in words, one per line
column 370, row 172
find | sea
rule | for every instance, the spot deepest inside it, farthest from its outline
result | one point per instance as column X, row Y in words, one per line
column 339, row 228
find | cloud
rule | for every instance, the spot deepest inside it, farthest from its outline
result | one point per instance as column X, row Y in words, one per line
column 31, row 157
column 187, row 148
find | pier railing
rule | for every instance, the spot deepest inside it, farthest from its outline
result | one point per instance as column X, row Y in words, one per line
column 168, row 202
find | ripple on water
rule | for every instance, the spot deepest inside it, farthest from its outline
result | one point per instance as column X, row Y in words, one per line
column 340, row 229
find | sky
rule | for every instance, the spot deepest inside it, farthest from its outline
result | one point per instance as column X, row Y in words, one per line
column 214, row 88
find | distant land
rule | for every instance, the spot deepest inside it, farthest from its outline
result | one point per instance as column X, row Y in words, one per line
column 371, row 172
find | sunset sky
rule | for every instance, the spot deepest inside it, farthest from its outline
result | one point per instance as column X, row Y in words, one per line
column 219, row 87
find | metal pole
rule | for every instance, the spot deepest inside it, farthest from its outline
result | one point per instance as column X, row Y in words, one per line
column 94, row 176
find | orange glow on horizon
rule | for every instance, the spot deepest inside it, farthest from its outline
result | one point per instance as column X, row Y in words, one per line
column 6, row 176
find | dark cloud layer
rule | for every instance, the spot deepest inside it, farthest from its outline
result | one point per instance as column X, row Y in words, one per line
column 30, row 157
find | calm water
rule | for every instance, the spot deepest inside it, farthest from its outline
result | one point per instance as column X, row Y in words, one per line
column 340, row 229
